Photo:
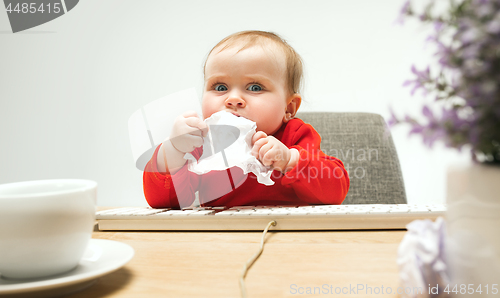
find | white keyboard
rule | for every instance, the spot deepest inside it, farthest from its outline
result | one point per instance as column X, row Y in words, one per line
column 250, row 218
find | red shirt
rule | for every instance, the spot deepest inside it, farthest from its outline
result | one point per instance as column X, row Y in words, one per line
column 316, row 179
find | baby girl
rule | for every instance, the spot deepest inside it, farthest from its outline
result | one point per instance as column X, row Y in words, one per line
column 255, row 75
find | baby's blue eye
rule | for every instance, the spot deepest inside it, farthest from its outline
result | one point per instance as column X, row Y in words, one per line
column 220, row 88
column 255, row 88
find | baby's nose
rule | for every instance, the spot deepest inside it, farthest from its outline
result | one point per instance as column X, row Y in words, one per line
column 235, row 101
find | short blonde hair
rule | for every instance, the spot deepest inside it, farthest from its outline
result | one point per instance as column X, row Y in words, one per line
column 294, row 71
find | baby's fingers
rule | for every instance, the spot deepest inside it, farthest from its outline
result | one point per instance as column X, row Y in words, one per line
column 188, row 114
column 186, row 143
column 257, row 136
column 267, row 155
column 258, row 145
column 198, row 124
column 196, row 141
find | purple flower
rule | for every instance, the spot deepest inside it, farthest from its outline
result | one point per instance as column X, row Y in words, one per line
column 393, row 119
column 419, row 83
column 405, row 9
column 493, row 26
column 428, row 113
column 470, row 36
column 467, row 38
column 470, row 51
column 483, row 9
column 438, row 25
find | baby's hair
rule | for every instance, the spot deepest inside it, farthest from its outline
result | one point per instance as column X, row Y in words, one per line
column 294, row 72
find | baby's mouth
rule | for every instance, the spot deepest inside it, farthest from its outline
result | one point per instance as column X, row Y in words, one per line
column 235, row 114
column 238, row 115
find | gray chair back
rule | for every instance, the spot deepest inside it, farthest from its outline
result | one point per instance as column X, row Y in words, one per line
column 365, row 146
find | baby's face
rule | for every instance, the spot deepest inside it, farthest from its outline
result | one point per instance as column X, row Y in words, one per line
column 249, row 84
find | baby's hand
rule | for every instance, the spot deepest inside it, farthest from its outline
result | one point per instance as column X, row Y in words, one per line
column 272, row 152
column 188, row 132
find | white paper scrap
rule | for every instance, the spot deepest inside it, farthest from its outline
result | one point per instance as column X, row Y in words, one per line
column 229, row 144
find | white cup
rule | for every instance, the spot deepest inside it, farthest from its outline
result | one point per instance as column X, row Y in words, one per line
column 45, row 226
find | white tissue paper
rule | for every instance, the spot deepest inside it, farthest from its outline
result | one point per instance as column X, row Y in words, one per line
column 422, row 259
column 232, row 146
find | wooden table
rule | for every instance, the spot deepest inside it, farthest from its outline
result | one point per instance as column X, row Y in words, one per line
column 208, row 264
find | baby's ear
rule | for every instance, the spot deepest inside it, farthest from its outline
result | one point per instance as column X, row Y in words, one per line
column 293, row 104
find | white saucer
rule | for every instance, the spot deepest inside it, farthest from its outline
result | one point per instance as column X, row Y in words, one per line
column 101, row 257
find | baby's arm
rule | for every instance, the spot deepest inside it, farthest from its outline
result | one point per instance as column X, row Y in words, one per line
column 170, row 191
column 187, row 134
column 167, row 163
column 316, row 177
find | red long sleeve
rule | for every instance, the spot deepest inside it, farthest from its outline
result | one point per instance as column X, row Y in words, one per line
column 316, row 179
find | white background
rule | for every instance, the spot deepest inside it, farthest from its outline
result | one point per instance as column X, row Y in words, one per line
column 68, row 87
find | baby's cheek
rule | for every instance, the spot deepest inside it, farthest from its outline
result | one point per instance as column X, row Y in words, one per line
column 270, row 125
column 207, row 109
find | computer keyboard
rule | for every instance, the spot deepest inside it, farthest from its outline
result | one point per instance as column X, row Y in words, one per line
column 251, row 218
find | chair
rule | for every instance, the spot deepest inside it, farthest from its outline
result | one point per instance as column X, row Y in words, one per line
column 364, row 144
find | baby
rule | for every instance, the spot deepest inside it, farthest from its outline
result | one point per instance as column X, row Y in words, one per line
column 255, row 75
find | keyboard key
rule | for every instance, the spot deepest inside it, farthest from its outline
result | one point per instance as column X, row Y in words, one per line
column 202, row 213
column 440, row 208
column 415, row 209
column 180, row 212
column 226, row 213
column 242, row 213
column 318, row 212
column 242, row 208
column 359, row 211
column 218, row 208
column 149, row 212
column 280, row 212
column 379, row 210
column 196, row 208
column 262, row 212
column 399, row 210
column 246, row 211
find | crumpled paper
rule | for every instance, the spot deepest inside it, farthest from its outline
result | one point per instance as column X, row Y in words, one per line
column 229, row 144
column 422, row 259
